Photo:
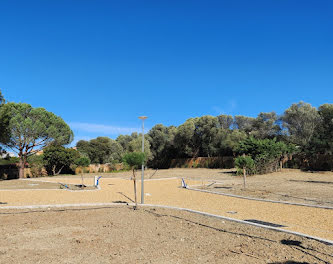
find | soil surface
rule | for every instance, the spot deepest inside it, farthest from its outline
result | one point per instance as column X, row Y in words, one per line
column 290, row 185
column 41, row 184
column 119, row 234
column 165, row 190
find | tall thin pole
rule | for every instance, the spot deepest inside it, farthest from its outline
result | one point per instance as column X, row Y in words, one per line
column 143, row 166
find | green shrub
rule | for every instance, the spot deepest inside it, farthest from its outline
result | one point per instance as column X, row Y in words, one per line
column 134, row 159
column 245, row 162
column 266, row 153
column 36, row 164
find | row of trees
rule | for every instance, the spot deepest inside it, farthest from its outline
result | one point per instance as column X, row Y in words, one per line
column 307, row 129
column 302, row 128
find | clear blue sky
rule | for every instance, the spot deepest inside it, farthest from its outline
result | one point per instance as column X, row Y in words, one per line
column 101, row 64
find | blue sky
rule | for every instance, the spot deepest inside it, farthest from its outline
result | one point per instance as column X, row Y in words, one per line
column 101, row 64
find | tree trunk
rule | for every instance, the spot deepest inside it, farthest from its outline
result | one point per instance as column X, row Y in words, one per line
column 57, row 173
column 21, row 167
column 134, row 181
column 244, row 178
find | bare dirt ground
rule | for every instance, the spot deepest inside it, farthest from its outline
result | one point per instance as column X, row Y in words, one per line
column 119, row 234
column 39, row 184
column 290, row 185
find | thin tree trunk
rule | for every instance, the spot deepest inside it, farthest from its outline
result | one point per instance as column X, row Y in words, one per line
column 244, row 178
column 57, row 173
column 82, row 185
column 134, row 181
column 21, row 167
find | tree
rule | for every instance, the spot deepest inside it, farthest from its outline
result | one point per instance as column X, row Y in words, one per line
column 117, row 152
column 82, row 162
column 57, row 158
column 4, row 119
column 161, row 139
column 266, row 153
column 322, row 140
column 226, row 141
column 264, row 126
column 205, row 133
column 196, row 136
column 134, row 160
column 84, row 147
column 244, row 123
column 300, row 120
column 36, row 164
column 225, row 121
column 184, row 139
column 124, row 140
column 101, row 150
column 136, row 146
column 31, row 129
column 244, row 163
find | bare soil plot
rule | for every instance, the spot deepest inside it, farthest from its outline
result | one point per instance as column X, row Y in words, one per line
column 148, row 235
column 290, row 185
column 312, row 221
column 40, row 184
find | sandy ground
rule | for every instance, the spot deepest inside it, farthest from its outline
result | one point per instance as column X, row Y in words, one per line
column 289, row 185
column 312, row 221
column 41, row 184
column 119, row 234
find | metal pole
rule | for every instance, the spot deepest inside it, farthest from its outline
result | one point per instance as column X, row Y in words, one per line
column 143, row 166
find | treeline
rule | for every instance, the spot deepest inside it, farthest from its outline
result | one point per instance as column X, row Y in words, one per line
column 260, row 144
column 302, row 128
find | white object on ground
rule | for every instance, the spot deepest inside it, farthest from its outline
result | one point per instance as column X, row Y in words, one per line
column 96, row 181
column 184, row 185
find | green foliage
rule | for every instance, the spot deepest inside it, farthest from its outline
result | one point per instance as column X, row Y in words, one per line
column 9, row 160
column 265, row 126
column 36, row 164
column 82, row 161
column 36, row 159
column 225, row 121
column 101, row 150
column 300, row 120
column 124, row 140
column 136, row 146
column 134, row 159
column 244, row 123
column 322, row 140
column 245, row 162
column 4, row 123
column 266, row 153
column 161, row 139
column 31, row 129
column 197, row 137
column 57, row 158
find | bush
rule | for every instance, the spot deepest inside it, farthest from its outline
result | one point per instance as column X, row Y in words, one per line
column 36, row 164
column 134, row 159
column 266, row 153
column 245, row 162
